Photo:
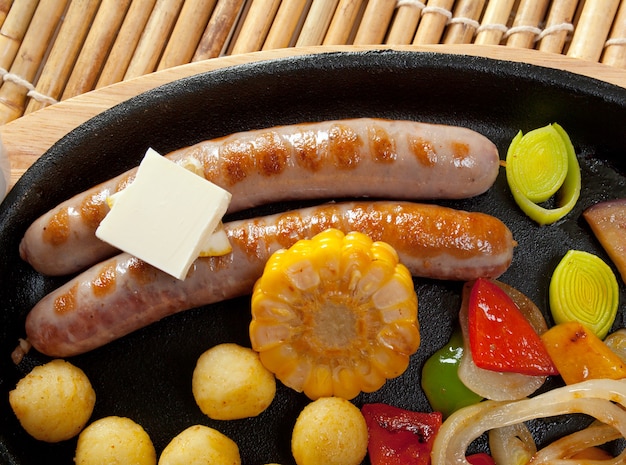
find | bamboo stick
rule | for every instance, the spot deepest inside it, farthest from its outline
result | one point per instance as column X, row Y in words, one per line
column 559, row 24
column 405, row 23
column 126, row 42
column 317, row 22
column 494, row 23
column 525, row 27
column 5, row 6
column 96, row 48
column 17, row 84
column 375, row 22
column 218, row 29
column 65, row 51
column 255, row 27
column 464, row 22
column 342, row 22
column 434, row 19
column 592, row 29
column 615, row 51
column 187, row 32
column 154, row 37
column 14, row 29
column 285, row 24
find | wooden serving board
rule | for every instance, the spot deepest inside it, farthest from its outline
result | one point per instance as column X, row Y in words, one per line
column 28, row 137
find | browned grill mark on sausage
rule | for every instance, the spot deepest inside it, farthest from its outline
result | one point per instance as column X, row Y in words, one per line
column 125, row 181
column 140, row 271
column 236, row 161
column 66, row 302
column 105, row 281
column 308, row 150
column 93, row 209
column 423, row 151
column 382, row 146
column 57, row 231
column 272, row 154
column 344, row 144
column 460, row 150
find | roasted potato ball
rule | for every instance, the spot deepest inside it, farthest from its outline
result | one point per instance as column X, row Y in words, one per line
column 114, row 441
column 330, row 430
column 200, row 445
column 54, row 401
column 230, row 382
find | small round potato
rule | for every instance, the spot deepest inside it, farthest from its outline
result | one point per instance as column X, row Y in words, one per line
column 54, row 401
column 230, row 382
column 200, row 445
column 330, row 430
column 114, row 441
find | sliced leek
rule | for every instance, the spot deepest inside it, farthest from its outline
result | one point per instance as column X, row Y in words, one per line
column 583, row 288
column 540, row 164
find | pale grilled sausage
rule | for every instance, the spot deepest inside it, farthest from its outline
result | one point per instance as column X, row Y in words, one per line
column 330, row 160
column 123, row 294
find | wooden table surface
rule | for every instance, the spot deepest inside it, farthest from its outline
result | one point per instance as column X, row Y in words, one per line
column 28, row 137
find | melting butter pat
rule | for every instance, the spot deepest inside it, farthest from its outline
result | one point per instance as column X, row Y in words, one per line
column 168, row 216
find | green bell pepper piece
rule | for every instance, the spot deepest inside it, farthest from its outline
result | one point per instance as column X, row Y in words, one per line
column 445, row 392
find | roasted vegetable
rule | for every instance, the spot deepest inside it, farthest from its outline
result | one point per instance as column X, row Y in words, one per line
column 583, row 288
column 512, row 445
column 616, row 341
column 498, row 385
column 603, row 399
column 580, row 355
column 335, row 315
column 398, row 436
column 608, row 223
column 501, row 338
column 444, row 390
column 539, row 164
column 480, row 459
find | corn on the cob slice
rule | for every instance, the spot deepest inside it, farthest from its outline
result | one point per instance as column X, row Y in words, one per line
column 335, row 315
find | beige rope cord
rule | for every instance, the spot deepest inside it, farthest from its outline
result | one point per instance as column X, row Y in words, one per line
column 51, row 50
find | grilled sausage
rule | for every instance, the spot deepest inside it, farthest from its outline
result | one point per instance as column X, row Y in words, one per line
column 330, row 160
column 123, row 294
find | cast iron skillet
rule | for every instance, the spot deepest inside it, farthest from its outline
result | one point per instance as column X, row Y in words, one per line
column 147, row 375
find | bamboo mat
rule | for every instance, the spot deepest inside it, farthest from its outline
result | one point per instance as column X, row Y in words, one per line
column 52, row 50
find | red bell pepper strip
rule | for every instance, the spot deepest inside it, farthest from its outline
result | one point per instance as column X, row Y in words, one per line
column 501, row 338
column 480, row 459
column 398, row 436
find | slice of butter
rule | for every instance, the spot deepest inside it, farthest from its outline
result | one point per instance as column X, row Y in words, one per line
column 214, row 245
column 166, row 216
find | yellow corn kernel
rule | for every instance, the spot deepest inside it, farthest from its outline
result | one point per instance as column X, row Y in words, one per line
column 335, row 315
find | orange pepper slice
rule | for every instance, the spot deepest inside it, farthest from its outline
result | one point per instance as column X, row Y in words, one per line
column 580, row 355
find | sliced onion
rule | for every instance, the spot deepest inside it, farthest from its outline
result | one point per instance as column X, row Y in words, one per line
column 583, row 288
column 594, row 435
column 527, row 307
column 512, row 445
column 598, row 398
column 617, row 343
column 490, row 384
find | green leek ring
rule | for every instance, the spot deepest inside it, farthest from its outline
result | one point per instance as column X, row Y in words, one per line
column 583, row 288
column 531, row 183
